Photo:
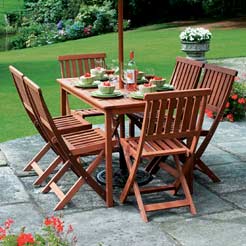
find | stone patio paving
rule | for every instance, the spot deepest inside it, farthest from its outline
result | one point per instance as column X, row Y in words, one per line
column 221, row 214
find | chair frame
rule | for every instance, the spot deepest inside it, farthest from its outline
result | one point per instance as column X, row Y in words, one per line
column 168, row 117
column 66, row 124
column 70, row 147
column 220, row 80
column 78, row 65
column 185, row 76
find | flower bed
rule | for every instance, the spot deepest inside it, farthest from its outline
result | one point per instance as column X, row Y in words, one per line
column 53, row 234
column 236, row 104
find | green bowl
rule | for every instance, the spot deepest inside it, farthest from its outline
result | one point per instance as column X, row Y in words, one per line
column 106, row 89
column 143, row 89
column 158, row 83
column 87, row 80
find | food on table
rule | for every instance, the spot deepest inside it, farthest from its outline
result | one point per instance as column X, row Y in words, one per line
column 99, row 72
column 87, row 78
column 106, row 87
column 158, row 81
column 147, row 87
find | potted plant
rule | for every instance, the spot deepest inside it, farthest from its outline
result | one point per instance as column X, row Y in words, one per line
column 195, row 42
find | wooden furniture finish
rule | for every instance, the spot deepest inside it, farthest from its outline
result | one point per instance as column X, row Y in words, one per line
column 70, row 146
column 64, row 124
column 78, row 65
column 220, row 81
column 185, row 76
column 168, row 117
column 110, row 107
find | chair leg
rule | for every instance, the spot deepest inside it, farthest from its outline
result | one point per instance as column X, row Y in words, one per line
column 37, row 157
column 140, row 202
column 206, row 170
column 185, row 186
column 48, row 171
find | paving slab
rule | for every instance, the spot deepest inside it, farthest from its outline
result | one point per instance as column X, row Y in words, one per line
column 20, row 151
column 227, row 228
column 12, row 190
column 232, row 175
column 117, row 226
column 237, row 198
column 24, row 214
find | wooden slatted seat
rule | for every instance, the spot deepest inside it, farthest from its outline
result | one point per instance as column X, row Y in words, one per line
column 78, row 65
column 185, row 76
column 70, row 147
column 168, row 117
column 64, row 124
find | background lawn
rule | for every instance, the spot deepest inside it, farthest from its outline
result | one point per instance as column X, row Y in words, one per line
column 155, row 47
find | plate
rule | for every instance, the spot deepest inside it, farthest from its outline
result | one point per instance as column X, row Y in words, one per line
column 136, row 95
column 101, row 95
column 165, row 87
column 142, row 81
column 82, row 85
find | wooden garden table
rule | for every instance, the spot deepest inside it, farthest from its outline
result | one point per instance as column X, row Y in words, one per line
column 110, row 107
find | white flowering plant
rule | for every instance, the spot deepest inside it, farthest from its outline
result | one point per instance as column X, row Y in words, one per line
column 198, row 34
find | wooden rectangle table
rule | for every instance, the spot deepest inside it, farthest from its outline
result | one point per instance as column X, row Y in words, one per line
column 110, row 107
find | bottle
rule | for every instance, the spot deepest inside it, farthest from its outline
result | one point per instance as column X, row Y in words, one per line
column 131, row 73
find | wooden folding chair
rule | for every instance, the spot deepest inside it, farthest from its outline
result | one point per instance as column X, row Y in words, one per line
column 78, row 65
column 168, row 117
column 70, row 146
column 64, row 124
column 185, row 76
column 220, row 81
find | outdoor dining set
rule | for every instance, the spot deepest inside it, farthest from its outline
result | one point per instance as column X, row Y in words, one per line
column 162, row 124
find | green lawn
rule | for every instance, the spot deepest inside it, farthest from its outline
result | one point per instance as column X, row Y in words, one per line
column 155, row 47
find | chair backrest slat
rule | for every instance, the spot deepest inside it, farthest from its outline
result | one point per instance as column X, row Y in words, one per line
column 77, row 65
column 181, row 110
column 220, row 81
column 186, row 73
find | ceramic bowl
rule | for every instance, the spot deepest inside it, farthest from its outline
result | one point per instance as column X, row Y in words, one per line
column 158, row 83
column 106, row 89
column 87, row 80
column 144, row 89
column 99, row 72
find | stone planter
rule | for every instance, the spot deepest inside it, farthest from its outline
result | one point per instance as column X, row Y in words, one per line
column 195, row 50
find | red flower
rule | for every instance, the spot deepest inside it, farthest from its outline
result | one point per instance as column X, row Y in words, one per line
column 234, row 97
column 209, row 113
column 230, row 117
column 227, row 105
column 55, row 223
column 241, row 100
column 2, row 233
column 25, row 238
column 8, row 223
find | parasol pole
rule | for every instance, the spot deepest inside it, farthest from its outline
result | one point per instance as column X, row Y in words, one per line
column 120, row 42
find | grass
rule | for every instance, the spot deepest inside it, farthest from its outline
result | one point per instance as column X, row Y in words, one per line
column 155, row 47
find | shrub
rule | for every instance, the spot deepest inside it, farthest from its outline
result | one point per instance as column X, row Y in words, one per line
column 236, row 104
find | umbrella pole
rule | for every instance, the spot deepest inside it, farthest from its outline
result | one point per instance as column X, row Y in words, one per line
column 120, row 42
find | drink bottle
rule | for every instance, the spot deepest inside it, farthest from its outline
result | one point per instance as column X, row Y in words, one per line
column 131, row 73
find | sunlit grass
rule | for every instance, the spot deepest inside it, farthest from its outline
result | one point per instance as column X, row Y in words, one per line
column 155, row 47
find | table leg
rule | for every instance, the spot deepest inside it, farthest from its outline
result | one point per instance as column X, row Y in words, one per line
column 108, row 157
column 64, row 104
